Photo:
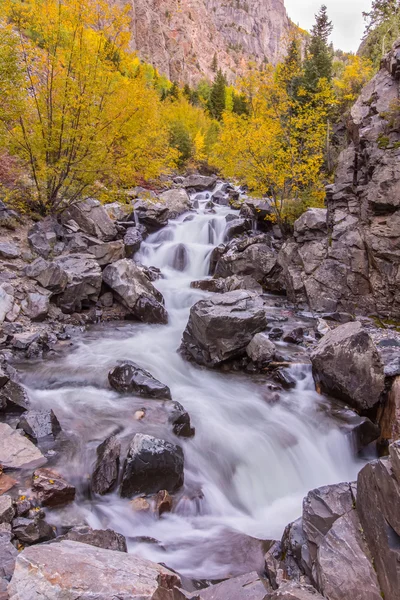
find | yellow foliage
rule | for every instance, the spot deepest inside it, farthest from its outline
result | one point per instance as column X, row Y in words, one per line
column 349, row 83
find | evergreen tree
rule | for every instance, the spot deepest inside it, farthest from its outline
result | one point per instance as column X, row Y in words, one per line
column 319, row 58
column 214, row 64
column 174, row 91
column 240, row 105
column 383, row 28
column 216, row 104
column 291, row 73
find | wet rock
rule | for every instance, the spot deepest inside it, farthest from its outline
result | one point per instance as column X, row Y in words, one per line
column 36, row 306
column 91, row 218
column 129, row 378
column 153, row 215
column 101, row 538
column 180, row 260
column 220, row 198
column 285, row 379
column 84, row 281
column 180, row 420
column 39, row 424
column 296, row 336
column 244, row 587
column 151, row 465
column 237, row 227
column 16, row 451
column 6, row 509
column 132, row 241
column 51, row 488
column 77, row 570
column 347, row 365
column 140, row 504
column 105, row 474
column 22, row 341
column 199, row 183
column 221, row 328
column 261, row 350
column 176, row 200
column 108, row 252
column 9, row 250
column 131, row 285
column 49, row 274
column 163, row 502
column 276, row 333
column 32, row 531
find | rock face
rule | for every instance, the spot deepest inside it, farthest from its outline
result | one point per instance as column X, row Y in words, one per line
column 356, row 266
column 181, row 39
column 151, row 465
column 129, row 378
column 135, row 291
column 73, row 570
column 220, row 328
column 16, row 451
column 84, row 281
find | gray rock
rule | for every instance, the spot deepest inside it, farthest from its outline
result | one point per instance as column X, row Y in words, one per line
column 294, row 591
column 49, row 274
column 92, row 218
column 14, row 397
column 180, row 420
column 22, row 341
column 228, row 284
column 151, row 465
column 84, row 281
column 176, row 200
column 256, row 259
column 347, row 364
column 51, row 488
column 32, row 531
column 221, row 328
column 39, row 424
column 244, row 587
column 295, row 336
column 6, row 301
column 6, row 509
column 237, row 227
column 36, row 306
column 107, row 299
column 108, row 252
column 9, row 250
column 129, row 378
column 117, row 211
column 101, row 538
column 153, row 215
column 105, row 474
column 199, row 183
column 8, row 556
column 311, row 225
column 16, row 451
column 135, row 291
column 132, row 240
column 74, row 570
column 43, row 236
column 261, row 350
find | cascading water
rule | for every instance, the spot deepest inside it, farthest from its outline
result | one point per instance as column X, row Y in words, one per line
column 250, row 463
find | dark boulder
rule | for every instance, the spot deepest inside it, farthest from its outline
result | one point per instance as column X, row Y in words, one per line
column 151, row 465
column 51, row 488
column 180, row 420
column 32, row 531
column 132, row 240
column 105, row 474
column 153, row 215
column 101, row 538
column 129, row 378
column 295, row 336
column 92, row 218
column 237, row 228
column 50, row 275
column 39, row 424
column 199, row 183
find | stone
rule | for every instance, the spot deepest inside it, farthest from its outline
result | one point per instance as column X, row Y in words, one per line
column 14, row 397
column 140, row 504
column 101, row 538
column 244, row 587
column 9, row 250
column 6, row 483
column 43, row 236
column 153, row 215
column 151, row 465
column 16, row 451
column 131, row 285
column 132, row 241
column 39, row 424
column 32, row 531
column 255, row 259
column 311, row 225
column 105, row 474
column 180, row 420
column 228, row 284
column 107, row 300
column 295, row 336
column 163, row 502
column 4, row 376
column 49, row 274
column 84, row 282
column 177, row 202
column 6, row 300
column 51, row 488
column 36, row 306
column 6, row 509
column 92, row 218
column 295, row 591
column 108, row 252
column 220, row 328
column 261, row 350
column 22, row 341
column 8, row 556
column 237, row 228
column 74, row 570
column 347, row 365
column 117, row 211
column 199, row 183
column 129, row 378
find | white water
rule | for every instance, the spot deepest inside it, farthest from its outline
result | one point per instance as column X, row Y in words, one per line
column 250, row 463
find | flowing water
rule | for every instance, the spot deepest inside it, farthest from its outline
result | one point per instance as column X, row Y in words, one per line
column 251, row 461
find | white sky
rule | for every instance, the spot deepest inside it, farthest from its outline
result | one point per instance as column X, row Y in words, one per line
column 346, row 16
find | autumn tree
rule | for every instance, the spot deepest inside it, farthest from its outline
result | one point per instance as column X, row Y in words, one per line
column 347, row 85
column 382, row 29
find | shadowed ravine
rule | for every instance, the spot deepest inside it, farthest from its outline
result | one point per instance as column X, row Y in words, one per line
column 253, row 458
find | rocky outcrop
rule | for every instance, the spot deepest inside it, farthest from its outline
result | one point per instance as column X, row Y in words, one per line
column 356, row 266
column 220, row 328
column 181, row 38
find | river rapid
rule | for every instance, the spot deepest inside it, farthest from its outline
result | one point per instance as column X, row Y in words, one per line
column 253, row 458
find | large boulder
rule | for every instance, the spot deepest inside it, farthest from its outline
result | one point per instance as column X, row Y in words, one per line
column 253, row 256
column 84, row 281
column 107, row 252
column 153, row 215
column 220, row 328
column 105, row 474
column 176, row 200
column 40, row 424
column 135, row 291
column 129, row 378
column 151, row 465
column 73, row 570
column 50, row 275
column 199, row 183
column 16, row 451
column 44, row 235
column 311, row 225
column 92, row 218
column 132, row 241
column 36, row 305
column 51, row 488
column 347, row 364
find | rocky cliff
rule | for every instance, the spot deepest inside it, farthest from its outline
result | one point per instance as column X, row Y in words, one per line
column 180, row 37
column 348, row 257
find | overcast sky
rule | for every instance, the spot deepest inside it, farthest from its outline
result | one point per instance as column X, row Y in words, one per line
column 346, row 16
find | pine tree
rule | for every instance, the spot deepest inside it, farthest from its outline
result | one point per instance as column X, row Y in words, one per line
column 383, row 28
column 240, row 104
column 216, row 103
column 318, row 64
column 174, row 91
column 214, row 64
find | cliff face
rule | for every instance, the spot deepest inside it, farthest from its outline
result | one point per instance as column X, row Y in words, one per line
column 180, row 37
